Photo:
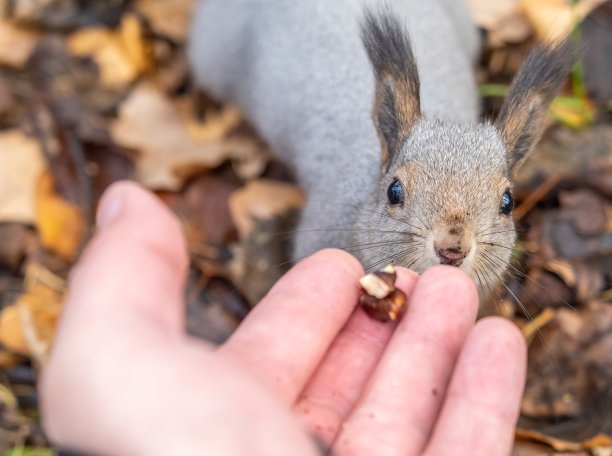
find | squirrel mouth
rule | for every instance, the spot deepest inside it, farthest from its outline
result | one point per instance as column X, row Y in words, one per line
column 450, row 262
column 450, row 257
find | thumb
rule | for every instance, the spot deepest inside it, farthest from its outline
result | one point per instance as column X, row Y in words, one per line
column 136, row 263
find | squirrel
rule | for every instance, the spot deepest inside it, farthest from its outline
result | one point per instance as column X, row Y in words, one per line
column 375, row 106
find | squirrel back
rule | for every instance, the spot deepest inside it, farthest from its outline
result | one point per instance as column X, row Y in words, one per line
column 376, row 109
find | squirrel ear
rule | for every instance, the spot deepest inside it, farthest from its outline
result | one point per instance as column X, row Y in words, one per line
column 396, row 104
column 520, row 121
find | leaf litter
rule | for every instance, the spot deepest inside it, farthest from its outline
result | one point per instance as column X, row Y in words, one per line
column 93, row 92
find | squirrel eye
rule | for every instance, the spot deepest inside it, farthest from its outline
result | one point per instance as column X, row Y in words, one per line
column 395, row 193
column 507, row 203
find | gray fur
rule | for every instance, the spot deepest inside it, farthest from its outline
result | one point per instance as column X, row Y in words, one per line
column 300, row 72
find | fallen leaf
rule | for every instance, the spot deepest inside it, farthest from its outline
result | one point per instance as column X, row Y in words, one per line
column 170, row 18
column 574, row 112
column 599, row 440
column 555, row 18
column 570, row 363
column 61, row 225
column 585, row 210
column 21, row 165
column 203, row 209
column 168, row 155
column 501, row 18
column 564, row 270
column 566, row 151
column 63, row 15
column 262, row 200
column 28, row 325
column 121, row 55
column 16, row 44
column 8, row 360
column 530, row 330
column 16, row 241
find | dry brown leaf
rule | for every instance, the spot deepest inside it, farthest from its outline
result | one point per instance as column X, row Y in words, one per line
column 564, row 270
column 531, row 329
column 27, row 326
column 61, row 225
column 21, row 164
column 16, row 44
column 585, row 209
column 598, row 441
column 8, row 360
column 121, row 55
column 262, row 200
column 555, row 18
column 7, row 398
column 501, row 18
column 168, row 18
column 151, row 124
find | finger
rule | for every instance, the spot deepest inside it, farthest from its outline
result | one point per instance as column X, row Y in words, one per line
column 482, row 403
column 136, row 263
column 287, row 334
column 339, row 380
column 397, row 410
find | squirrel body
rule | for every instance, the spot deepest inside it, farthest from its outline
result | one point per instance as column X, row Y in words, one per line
column 375, row 106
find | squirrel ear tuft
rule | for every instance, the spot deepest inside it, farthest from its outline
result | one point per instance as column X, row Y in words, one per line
column 521, row 118
column 396, row 105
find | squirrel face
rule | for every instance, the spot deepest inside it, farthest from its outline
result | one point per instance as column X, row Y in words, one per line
column 448, row 191
column 445, row 190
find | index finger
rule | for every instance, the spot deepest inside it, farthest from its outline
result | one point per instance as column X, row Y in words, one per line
column 284, row 338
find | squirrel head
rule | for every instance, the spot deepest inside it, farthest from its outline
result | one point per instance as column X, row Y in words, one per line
column 445, row 190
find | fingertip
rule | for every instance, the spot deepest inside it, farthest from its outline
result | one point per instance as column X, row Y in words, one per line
column 494, row 359
column 500, row 334
column 140, row 214
column 451, row 276
column 451, row 285
column 406, row 279
column 338, row 257
column 503, row 328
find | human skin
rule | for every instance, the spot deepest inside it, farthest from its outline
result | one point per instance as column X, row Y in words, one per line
column 123, row 377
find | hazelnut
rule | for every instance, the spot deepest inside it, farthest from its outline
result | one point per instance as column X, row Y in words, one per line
column 380, row 299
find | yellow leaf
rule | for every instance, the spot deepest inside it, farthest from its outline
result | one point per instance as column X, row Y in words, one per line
column 600, row 440
column 168, row 18
column 28, row 325
column 573, row 111
column 61, row 225
column 172, row 153
column 555, row 18
column 121, row 55
column 21, row 164
column 135, row 46
column 16, row 44
column 8, row 360
column 501, row 18
column 262, row 200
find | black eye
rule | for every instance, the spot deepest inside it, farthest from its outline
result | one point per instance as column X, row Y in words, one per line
column 507, row 203
column 395, row 193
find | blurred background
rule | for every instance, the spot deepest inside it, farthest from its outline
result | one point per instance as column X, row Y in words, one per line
column 96, row 91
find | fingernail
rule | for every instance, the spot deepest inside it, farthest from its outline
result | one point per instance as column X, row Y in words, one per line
column 109, row 208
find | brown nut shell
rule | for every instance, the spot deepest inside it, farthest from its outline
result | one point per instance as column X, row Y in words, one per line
column 389, row 308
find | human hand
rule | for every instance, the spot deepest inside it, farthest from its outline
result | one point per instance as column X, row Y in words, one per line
column 124, row 378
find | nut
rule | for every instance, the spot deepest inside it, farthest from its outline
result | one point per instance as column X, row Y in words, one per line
column 380, row 299
column 380, row 283
column 389, row 308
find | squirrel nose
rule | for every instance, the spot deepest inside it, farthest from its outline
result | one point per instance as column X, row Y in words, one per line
column 452, row 256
